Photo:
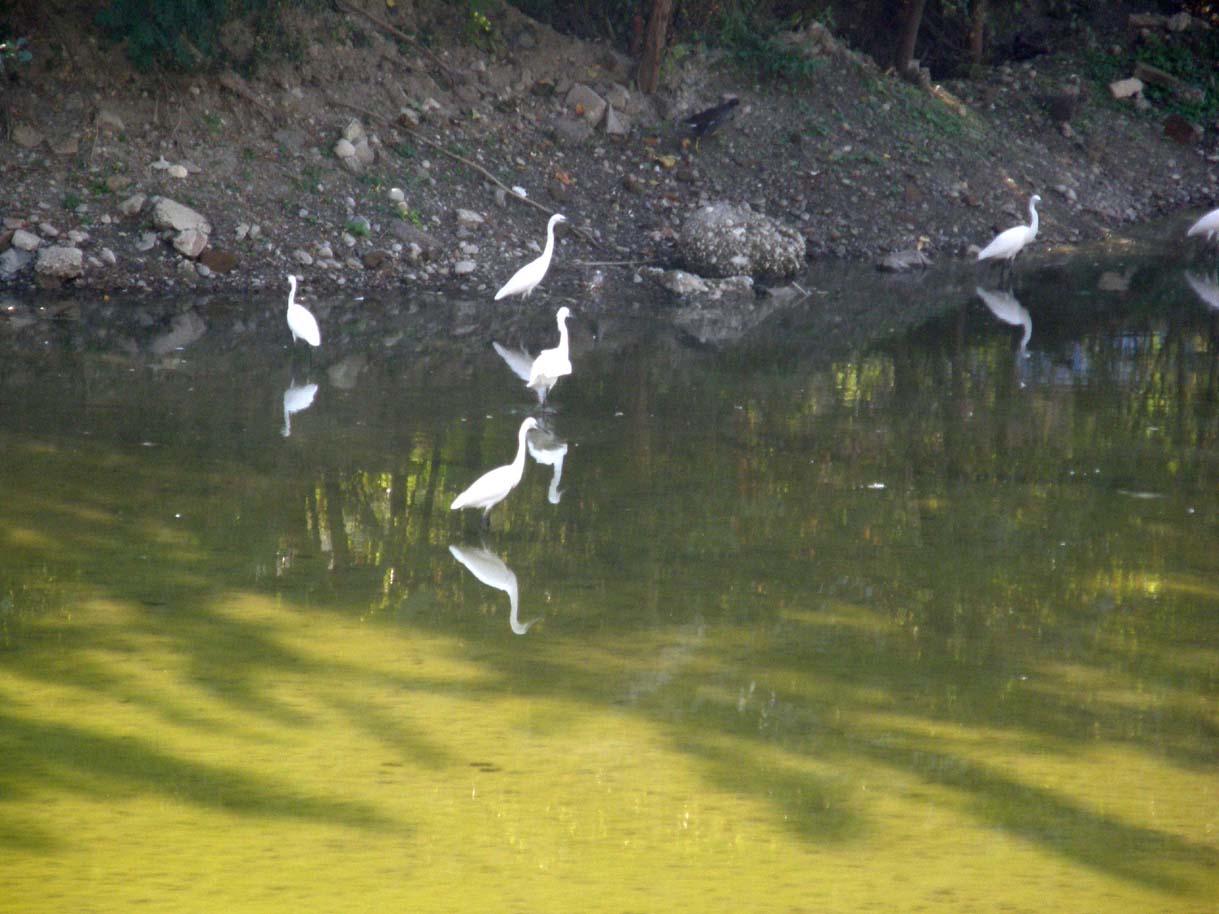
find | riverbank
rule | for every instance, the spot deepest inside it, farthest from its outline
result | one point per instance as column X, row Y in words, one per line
column 357, row 160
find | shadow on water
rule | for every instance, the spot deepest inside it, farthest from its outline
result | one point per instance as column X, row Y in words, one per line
column 794, row 551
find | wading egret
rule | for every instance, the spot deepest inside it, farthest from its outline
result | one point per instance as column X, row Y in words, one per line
column 1008, row 309
column 296, row 399
column 492, row 571
column 519, row 360
column 1208, row 225
column 525, row 279
column 493, row 486
column 551, row 364
column 1008, row 244
column 302, row 324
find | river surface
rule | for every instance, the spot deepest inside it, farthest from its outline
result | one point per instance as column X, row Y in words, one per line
column 862, row 602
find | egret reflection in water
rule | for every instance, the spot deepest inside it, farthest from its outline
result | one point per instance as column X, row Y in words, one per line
column 297, row 398
column 491, row 570
column 548, row 449
column 1206, row 288
column 1006, row 307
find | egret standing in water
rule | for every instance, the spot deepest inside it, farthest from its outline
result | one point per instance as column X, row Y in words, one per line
column 1208, row 225
column 1007, row 244
column 525, row 279
column 551, row 364
column 493, row 486
column 300, row 321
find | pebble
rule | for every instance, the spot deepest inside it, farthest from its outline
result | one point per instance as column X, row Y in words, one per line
column 304, row 258
column 464, row 267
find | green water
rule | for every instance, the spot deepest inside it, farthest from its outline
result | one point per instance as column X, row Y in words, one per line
column 814, row 623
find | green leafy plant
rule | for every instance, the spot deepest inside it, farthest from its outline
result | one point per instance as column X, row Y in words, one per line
column 14, row 52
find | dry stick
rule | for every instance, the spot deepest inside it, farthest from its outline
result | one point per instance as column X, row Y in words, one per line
column 455, row 76
column 464, row 161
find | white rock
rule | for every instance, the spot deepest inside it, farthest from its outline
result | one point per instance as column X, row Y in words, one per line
column 26, row 241
column 60, row 262
column 177, row 171
column 203, row 270
column 467, row 218
column 160, row 164
column 108, row 257
column 304, row 258
column 323, row 249
column 47, row 230
column 396, row 194
column 190, row 242
column 147, row 241
column 344, row 149
column 132, row 204
column 591, row 105
column 354, row 132
column 349, row 239
column 13, row 261
column 243, row 229
column 77, row 237
column 169, row 214
column 520, row 191
column 1124, row 88
column 464, row 267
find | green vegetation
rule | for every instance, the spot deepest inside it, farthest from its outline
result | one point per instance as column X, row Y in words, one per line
column 13, row 53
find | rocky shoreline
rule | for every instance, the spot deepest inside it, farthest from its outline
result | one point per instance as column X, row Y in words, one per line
column 368, row 165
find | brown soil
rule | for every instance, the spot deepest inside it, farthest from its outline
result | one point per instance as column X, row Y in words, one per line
column 860, row 161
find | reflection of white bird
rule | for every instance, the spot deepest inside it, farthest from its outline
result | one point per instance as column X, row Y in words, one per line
column 493, row 486
column 296, row 399
column 1208, row 225
column 548, row 449
column 525, row 279
column 1008, row 309
column 491, row 570
column 519, row 360
column 302, row 324
column 1006, row 245
column 551, row 364
column 1205, row 287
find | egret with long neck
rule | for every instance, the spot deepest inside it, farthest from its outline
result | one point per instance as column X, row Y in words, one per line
column 300, row 321
column 1007, row 244
column 493, row 486
column 526, row 279
column 551, row 364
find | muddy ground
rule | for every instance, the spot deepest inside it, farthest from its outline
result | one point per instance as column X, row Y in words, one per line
column 861, row 162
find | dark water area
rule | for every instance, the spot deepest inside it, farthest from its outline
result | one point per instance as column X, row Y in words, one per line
column 895, row 591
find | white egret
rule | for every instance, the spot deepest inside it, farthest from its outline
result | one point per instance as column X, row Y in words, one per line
column 525, row 279
column 1007, row 244
column 519, row 360
column 546, row 448
column 1006, row 307
column 296, row 399
column 551, row 364
column 492, row 571
column 302, row 324
column 1208, row 225
column 493, row 486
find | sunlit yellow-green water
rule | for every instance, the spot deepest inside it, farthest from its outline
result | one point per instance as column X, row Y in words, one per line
column 917, row 629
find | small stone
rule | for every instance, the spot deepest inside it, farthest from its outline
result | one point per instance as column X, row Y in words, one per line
column 344, row 149
column 59, row 262
column 243, row 229
column 169, row 214
column 203, row 270
column 25, row 241
column 324, row 250
column 374, row 260
column 68, row 146
column 47, row 230
column 469, row 219
column 1125, row 88
column 132, row 205
column 115, row 183
column 13, row 261
column 616, row 124
column 77, row 237
column 353, row 263
column 348, row 239
column 177, row 171
column 190, row 242
column 583, row 102
column 147, row 241
column 108, row 120
column 304, row 258
column 396, row 195
column 26, row 136
column 464, row 267
column 354, row 132
column 108, row 257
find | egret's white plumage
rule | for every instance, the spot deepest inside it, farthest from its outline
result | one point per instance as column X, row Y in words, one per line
column 1007, row 244
column 296, row 399
column 492, row 571
column 519, row 360
column 493, row 486
column 551, row 364
column 525, row 279
column 300, row 321
column 1208, row 225
column 1006, row 307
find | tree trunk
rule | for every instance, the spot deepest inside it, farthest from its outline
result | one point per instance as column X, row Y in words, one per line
column 654, row 45
column 905, row 49
column 976, row 26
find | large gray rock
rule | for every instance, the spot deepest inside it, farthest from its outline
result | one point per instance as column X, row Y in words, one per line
column 13, row 261
column 727, row 240
column 584, row 102
column 59, row 262
column 169, row 214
